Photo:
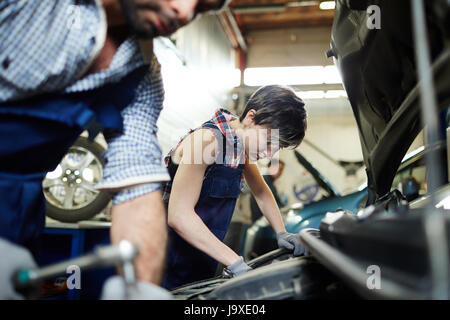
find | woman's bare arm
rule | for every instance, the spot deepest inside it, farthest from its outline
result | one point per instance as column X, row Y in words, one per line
column 264, row 197
column 185, row 193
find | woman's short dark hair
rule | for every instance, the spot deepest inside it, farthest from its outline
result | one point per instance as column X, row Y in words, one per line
column 279, row 107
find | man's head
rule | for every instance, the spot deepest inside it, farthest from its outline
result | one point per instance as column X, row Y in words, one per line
column 153, row 18
column 278, row 117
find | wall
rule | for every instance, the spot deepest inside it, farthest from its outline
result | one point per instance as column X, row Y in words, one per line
column 208, row 53
column 289, row 47
column 338, row 138
column 198, row 77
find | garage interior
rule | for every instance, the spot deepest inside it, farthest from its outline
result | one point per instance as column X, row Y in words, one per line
column 218, row 61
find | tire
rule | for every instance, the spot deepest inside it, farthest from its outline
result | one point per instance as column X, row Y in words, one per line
column 72, row 180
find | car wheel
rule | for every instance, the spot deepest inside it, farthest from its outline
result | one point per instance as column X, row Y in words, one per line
column 69, row 189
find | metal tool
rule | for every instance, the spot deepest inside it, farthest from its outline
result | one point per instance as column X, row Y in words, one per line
column 122, row 254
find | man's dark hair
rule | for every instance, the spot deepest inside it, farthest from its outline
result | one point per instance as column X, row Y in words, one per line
column 278, row 107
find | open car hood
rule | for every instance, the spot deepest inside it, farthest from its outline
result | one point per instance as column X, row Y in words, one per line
column 378, row 70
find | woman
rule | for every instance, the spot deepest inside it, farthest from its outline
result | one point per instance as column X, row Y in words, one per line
column 207, row 167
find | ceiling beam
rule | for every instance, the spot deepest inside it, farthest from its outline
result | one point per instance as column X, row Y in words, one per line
column 277, row 14
column 232, row 30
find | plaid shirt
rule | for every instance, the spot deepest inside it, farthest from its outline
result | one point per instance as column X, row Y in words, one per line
column 46, row 46
column 232, row 159
column 134, row 159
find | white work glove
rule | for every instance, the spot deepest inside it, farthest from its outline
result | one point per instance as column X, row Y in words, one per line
column 12, row 259
column 237, row 268
column 115, row 289
column 290, row 241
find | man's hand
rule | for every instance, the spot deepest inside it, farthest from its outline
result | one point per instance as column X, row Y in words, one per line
column 142, row 221
column 290, row 241
column 237, row 268
column 12, row 259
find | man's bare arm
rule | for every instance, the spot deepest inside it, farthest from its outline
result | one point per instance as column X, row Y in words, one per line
column 143, row 222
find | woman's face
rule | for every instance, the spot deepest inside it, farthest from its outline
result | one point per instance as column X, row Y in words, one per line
column 264, row 145
column 260, row 142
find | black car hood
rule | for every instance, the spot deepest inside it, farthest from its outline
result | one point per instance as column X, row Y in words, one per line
column 378, row 70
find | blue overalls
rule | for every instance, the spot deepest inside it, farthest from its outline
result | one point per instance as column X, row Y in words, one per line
column 34, row 136
column 220, row 190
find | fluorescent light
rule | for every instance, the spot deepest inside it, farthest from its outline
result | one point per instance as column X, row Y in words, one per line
column 320, row 94
column 292, row 76
column 283, row 76
column 327, row 5
column 314, row 94
column 331, row 94
column 294, row 4
column 331, row 75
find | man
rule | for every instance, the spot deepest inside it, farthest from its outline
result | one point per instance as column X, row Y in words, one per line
column 67, row 66
column 207, row 168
